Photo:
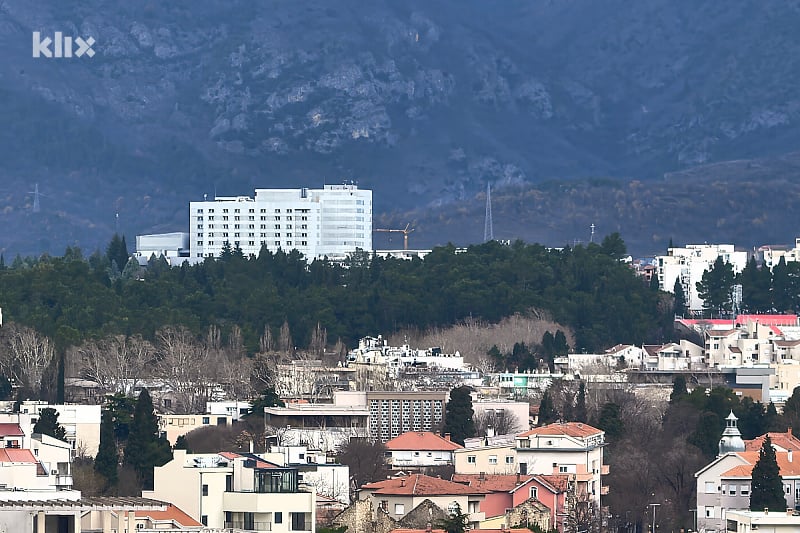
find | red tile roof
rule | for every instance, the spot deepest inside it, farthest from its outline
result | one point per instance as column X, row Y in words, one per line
column 787, row 441
column 787, row 468
column 260, row 463
column 11, row 430
column 421, row 440
column 420, row 485
column 171, row 514
column 559, row 482
column 16, row 455
column 492, row 482
column 570, row 429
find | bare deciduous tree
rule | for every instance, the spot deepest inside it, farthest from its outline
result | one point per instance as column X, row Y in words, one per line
column 285, row 343
column 184, row 366
column 500, row 423
column 117, row 363
column 26, row 356
column 266, row 343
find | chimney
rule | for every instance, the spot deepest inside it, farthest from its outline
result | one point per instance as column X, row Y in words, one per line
column 447, row 436
column 428, row 527
column 766, row 511
column 402, row 482
column 518, row 478
column 251, row 445
column 789, row 511
column 789, row 455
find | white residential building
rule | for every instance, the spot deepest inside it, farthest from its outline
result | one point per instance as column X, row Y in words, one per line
column 417, row 449
column 688, row 265
column 37, row 464
column 333, row 221
column 239, row 491
column 565, row 448
column 772, row 254
column 81, row 422
column 174, row 247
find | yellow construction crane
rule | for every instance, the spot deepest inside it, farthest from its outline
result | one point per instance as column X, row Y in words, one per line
column 404, row 231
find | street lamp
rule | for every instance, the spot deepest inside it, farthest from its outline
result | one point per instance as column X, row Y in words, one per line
column 654, row 506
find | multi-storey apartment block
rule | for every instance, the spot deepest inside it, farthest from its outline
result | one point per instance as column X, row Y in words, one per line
column 333, row 221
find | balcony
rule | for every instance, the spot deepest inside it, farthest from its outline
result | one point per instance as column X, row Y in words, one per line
column 256, row 527
column 604, row 490
column 296, row 502
column 63, row 481
column 604, row 470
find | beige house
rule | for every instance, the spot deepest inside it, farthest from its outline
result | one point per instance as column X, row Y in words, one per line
column 398, row 496
column 174, row 426
column 230, row 490
column 497, row 459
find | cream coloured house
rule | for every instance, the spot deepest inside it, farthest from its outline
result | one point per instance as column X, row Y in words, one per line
column 239, row 491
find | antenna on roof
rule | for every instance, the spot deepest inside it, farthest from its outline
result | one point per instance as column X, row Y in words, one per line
column 591, row 236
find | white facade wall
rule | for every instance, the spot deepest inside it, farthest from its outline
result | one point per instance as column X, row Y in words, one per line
column 688, row 264
column 333, row 221
column 81, row 422
column 420, row 458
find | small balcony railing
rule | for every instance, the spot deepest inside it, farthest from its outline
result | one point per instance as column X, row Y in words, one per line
column 254, row 526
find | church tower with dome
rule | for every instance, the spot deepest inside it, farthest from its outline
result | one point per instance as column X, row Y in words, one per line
column 731, row 440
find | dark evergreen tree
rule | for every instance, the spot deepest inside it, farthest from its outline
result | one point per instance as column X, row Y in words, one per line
column 267, row 398
column 581, row 414
column 458, row 420
column 614, row 246
column 146, row 449
column 47, row 424
column 781, row 287
column 766, row 490
column 456, row 521
column 106, row 463
column 680, row 308
column 755, row 281
column 654, row 285
column 678, row 389
column 117, row 251
column 547, row 410
column 791, row 411
column 716, row 288
column 609, row 420
column 60, row 381
column 182, row 444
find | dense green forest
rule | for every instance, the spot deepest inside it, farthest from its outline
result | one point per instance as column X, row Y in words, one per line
column 587, row 289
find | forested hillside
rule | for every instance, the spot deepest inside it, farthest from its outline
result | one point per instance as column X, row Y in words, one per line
column 587, row 289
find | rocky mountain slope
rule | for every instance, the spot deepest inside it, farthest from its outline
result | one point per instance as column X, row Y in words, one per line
column 422, row 101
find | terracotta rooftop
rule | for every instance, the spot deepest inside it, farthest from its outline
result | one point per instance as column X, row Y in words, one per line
column 787, row 468
column 260, row 463
column 423, row 441
column 570, row 429
column 785, row 343
column 17, row 455
column 492, row 482
column 785, row 441
column 11, row 430
column 420, row 485
column 170, row 514
column 559, row 482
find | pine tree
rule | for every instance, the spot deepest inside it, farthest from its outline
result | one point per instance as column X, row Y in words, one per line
column 716, row 288
column 106, row 462
column 581, row 414
column 458, row 419
column 146, row 449
column 456, row 521
column 610, row 421
column 182, row 444
column 766, row 490
column 678, row 389
column 755, row 283
column 781, row 287
column 48, row 424
column 547, row 410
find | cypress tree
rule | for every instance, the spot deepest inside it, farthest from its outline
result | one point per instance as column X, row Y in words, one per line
column 766, row 490
column 48, row 424
column 458, row 419
column 680, row 298
column 581, row 414
column 107, row 461
column 60, row 396
column 547, row 410
column 678, row 389
column 146, row 449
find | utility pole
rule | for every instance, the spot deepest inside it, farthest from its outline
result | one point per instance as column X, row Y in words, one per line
column 654, row 506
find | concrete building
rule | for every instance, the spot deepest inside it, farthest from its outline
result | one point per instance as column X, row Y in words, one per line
column 500, row 459
column 174, row 247
column 230, row 490
column 419, row 449
column 174, row 426
column 394, row 413
column 688, row 265
column 745, row 521
column 333, row 221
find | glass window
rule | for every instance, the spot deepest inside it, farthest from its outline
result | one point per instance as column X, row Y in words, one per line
column 399, row 508
column 279, row 517
column 471, row 459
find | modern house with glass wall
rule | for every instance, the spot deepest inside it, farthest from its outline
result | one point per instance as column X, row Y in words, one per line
column 233, row 490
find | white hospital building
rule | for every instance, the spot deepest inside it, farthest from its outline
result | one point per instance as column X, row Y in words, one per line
column 333, row 221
